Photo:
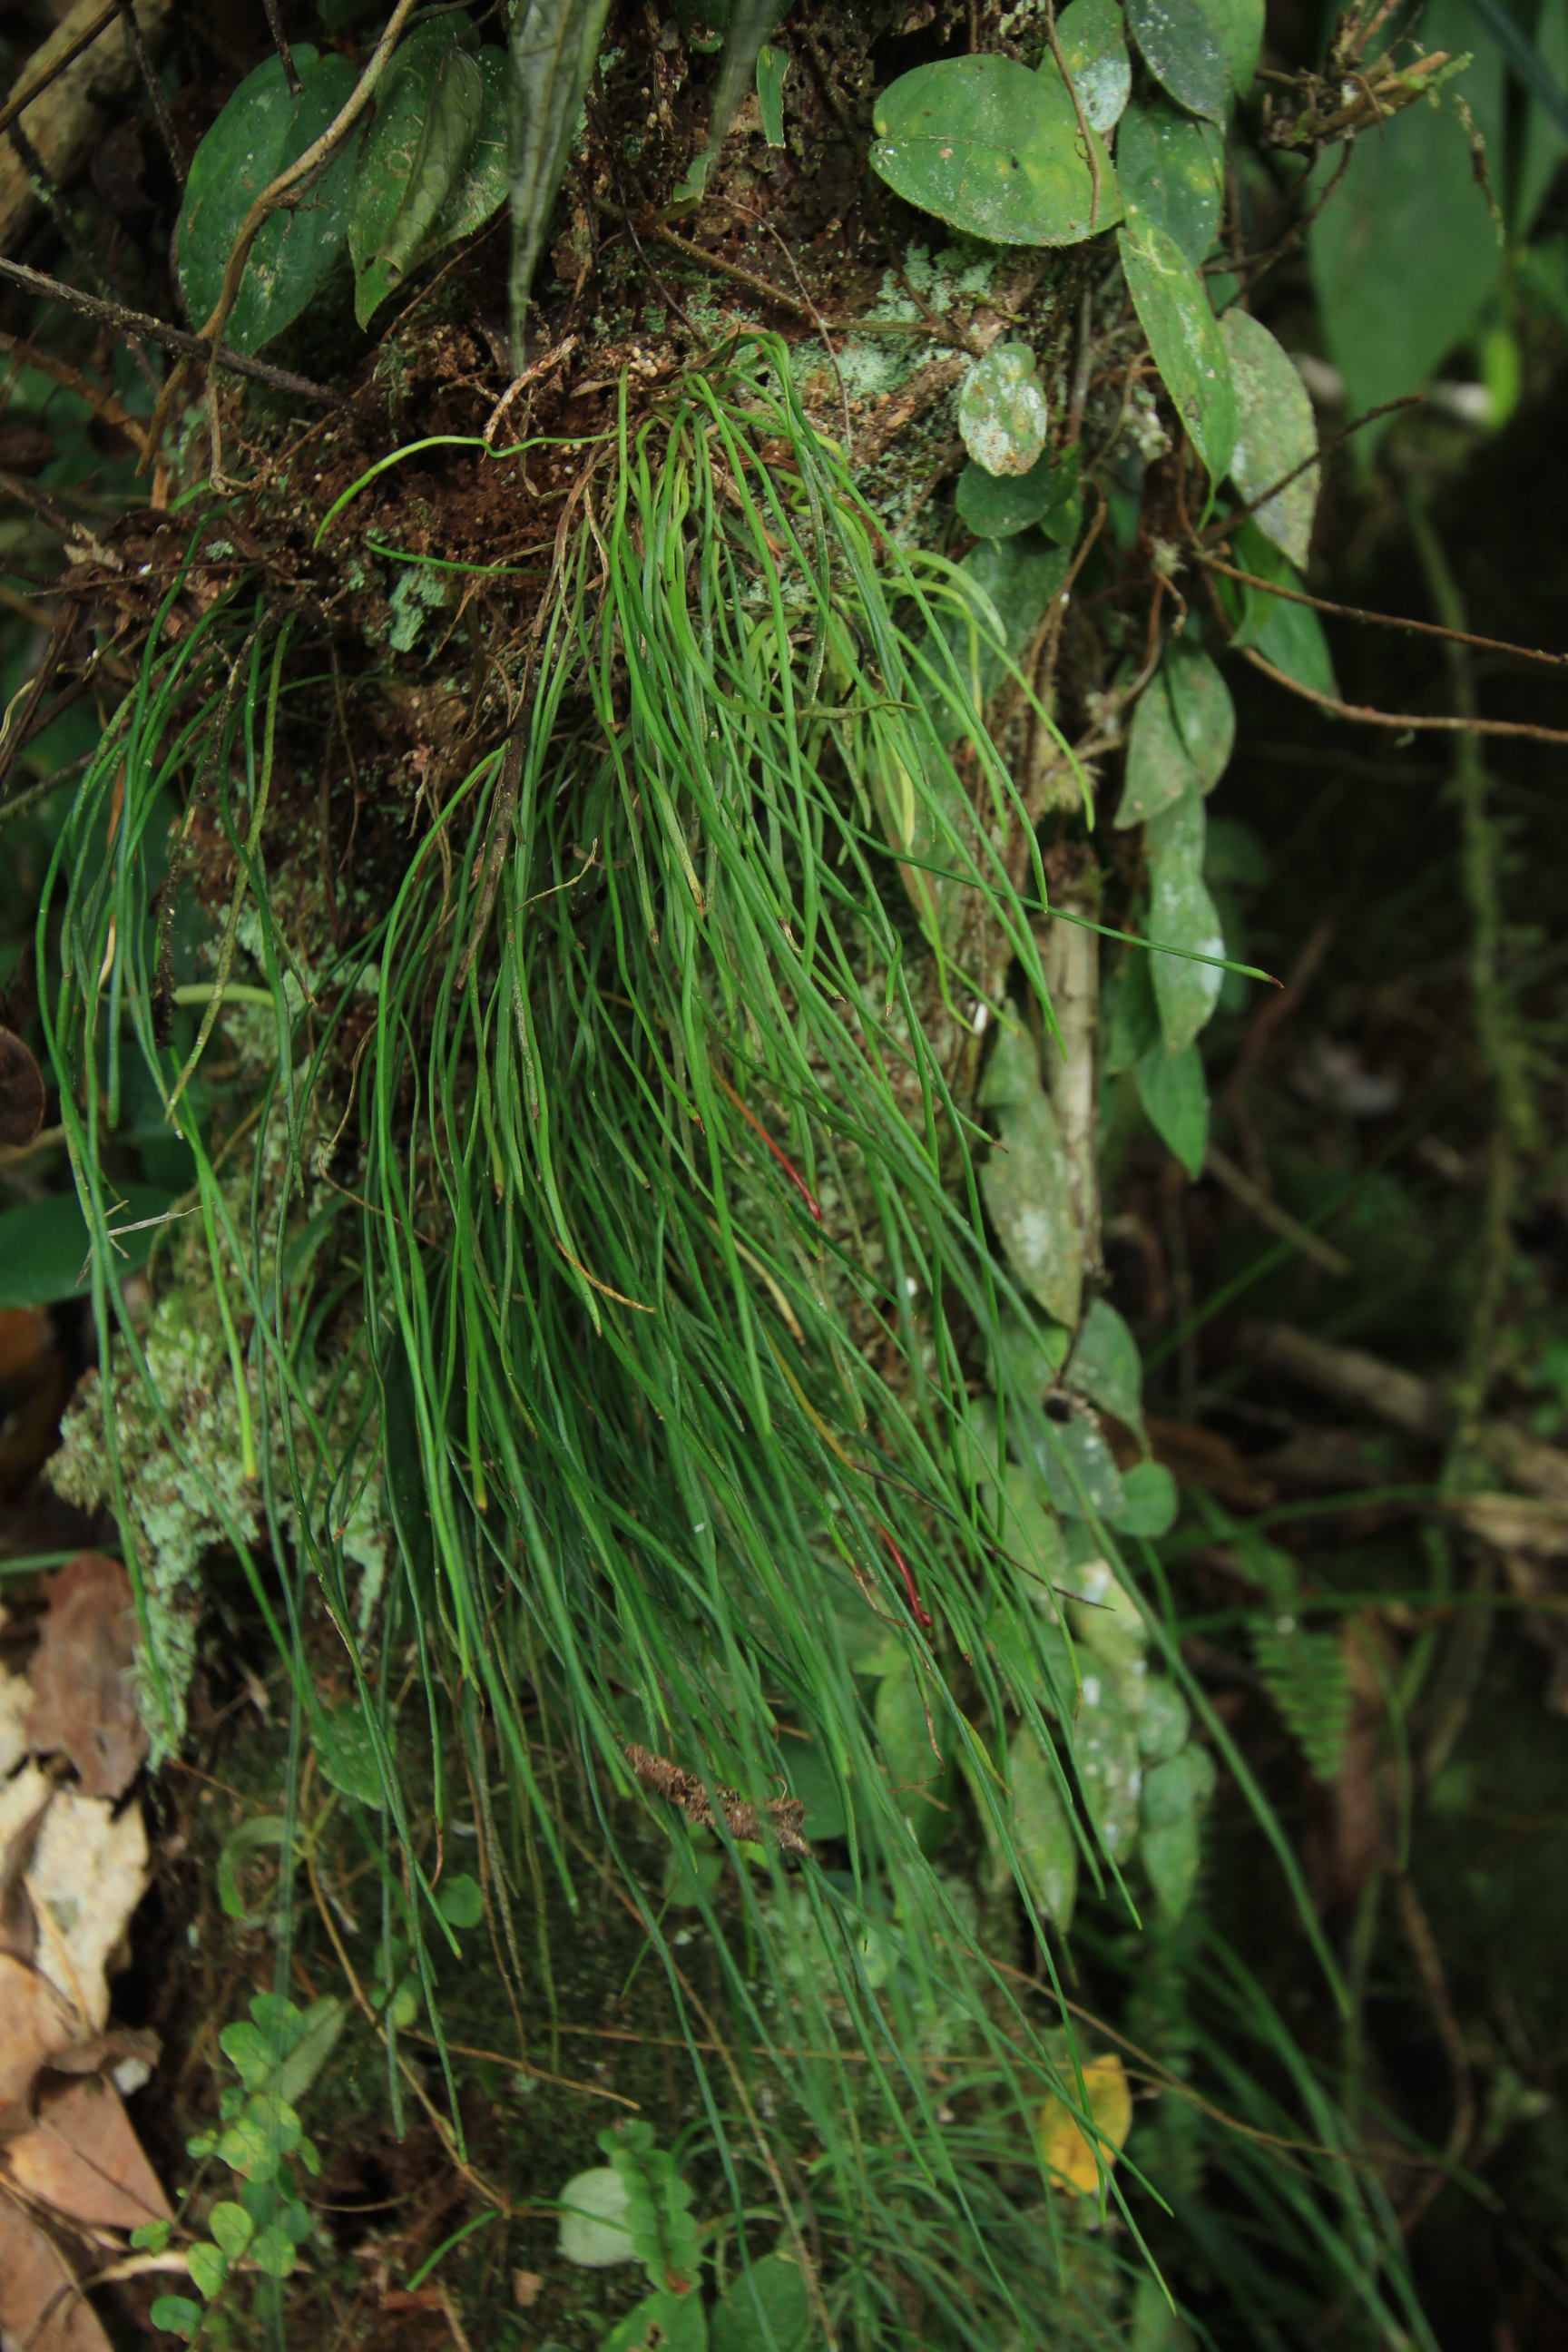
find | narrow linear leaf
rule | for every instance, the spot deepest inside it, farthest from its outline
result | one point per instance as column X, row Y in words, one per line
column 750, row 21
column 553, row 45
column 773, row 65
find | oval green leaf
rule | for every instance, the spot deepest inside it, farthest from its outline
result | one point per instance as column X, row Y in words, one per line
column 1095, row 55
column 774, row 2291
column 1106, row 1366
column 1048, row 494
column 1274, row 433
column 1174, row 1094
column 1158, row 768
column 1202, row 707
column 260, row 130
column 995, row 150
column 1185, row 337
column 1183, row 915
column 433, row 168
column 45, row 1247
column 1181, row 46
column 1042, row 1832
column 1002, row 412
column 1169, row 165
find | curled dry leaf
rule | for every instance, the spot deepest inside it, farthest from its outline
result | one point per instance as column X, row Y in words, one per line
column 21, row 1092
column 34, row 2022
column 84, row 1701
column 39, row 2304
column 84, row 1873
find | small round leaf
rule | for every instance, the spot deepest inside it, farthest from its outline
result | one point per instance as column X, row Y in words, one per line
column 1001, row 410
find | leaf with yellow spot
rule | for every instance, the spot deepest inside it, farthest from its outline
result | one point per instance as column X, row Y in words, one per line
column 1070, row 2156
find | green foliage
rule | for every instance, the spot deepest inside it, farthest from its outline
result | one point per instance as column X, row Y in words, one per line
column 278, row 2054
column 1027, row 1182
column 1159, row 770
column 1105, row 1364
column 1175, row 1093
column 1048, row 494
column 657, row 2211
column 1274, row 433
column 1185, row 337
column 263, row 128
column 1288, row 634
column 1181, row 45
column 1182, row 914
column 993, row 148
column 661, row 2322
column 773, row 65
column 1094, row 51
column 1042, row 1829
column 1002, row 412
column 748, row 23
column 768, row 2309
column 345, row 1749
column 1172, row 169
column 554, row 46
column 1203, row 711
column 433, row 166
column 46, row 1250
column 1406, row 254
column 1307, row 1676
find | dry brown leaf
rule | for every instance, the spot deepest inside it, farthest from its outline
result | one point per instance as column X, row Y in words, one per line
column 83, row 1871
column 21, row 1092
column 35, row 2022
column 84, row 1700
column 16, row 1697
column 88, row 1875
column 38, row 2304
column 84, row 2161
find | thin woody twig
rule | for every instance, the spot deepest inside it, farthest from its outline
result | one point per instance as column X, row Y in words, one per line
column 154, row 88
column 1228, row 523
column 102, row 404
column 128, row 323
column 277, row 192
column 1385, row 620
column 1403, row 720
column 279, row 41
column 20, row 100
column 746, row 278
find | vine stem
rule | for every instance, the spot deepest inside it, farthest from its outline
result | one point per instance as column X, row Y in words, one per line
column 277, row 192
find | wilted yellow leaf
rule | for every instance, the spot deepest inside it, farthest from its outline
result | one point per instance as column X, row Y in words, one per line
column 1069, row 2156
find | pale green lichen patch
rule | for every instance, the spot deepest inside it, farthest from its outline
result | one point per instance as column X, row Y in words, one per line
column 181, row 1450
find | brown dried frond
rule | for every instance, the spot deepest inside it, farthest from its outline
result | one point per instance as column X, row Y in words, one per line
column 778, row 1824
